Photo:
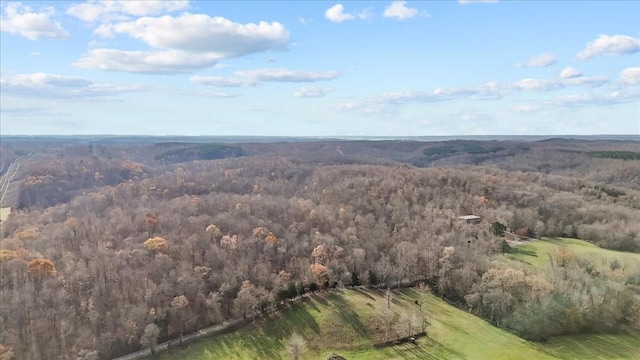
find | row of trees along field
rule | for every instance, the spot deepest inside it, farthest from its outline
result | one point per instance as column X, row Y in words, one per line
column 165, row 252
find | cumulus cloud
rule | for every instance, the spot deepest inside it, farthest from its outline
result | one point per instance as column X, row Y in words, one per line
column 200, row 33
column 614, row 45
column 145, row 62
column 569, row 72
column 543, row 60
column 58, row 86
column 399, row 10
column 629, row 77
column 188, row 42
column 100, row 10
column 23, row 20
column 311, row 91
column 336, row 14
column 218, row 81
column 285, row 75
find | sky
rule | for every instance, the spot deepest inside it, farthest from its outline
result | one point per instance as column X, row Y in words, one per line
column 315, row 68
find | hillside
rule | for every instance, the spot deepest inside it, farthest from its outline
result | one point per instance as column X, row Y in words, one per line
column 537, row 253
column 344, row 323
column 126, row 249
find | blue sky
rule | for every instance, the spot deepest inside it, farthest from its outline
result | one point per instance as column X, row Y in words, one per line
column 303, row 68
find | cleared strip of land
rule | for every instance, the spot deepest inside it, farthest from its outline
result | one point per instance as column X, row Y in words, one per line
column 344, row 322
column 537, row 253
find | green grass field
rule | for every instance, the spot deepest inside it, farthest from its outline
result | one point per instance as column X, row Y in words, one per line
column 342, row 322
column 537, row 252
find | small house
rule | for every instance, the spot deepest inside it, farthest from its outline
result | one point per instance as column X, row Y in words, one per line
column 470, row 219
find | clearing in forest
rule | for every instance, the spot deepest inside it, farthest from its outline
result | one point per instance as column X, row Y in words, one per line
column 537, row 253
column 344, row 322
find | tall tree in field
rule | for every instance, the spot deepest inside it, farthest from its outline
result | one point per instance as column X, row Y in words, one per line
column 296, row 346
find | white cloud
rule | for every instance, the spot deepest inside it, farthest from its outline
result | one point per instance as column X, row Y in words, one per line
column 188, row 42
column 92, row 11
column 610, row 45
column 629, row 77
column 399, row 10
column 219, row 81
column 247, row 78
column 58, row 86
column 311, row 91
column 616, row 97
column 336, row 14
column 554, row 84
column 593, row 81
column 200, row 33
column 569, row 72
column 487, row 91
column 526, row 108
column 145, row 62
column 285, row 75
column 543, row 60
column 22, row 20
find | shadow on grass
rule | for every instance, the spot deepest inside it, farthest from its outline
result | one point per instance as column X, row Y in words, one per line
column 427, row 348
column 593, row 346
column 518, row 251
column 348, row 315
column 364, row 293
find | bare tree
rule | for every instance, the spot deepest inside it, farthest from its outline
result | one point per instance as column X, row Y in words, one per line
column 296, row 346
column 149, row 337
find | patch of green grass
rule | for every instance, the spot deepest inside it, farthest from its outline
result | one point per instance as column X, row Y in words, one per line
column 593, row 346
column 342, row 323
column 537, row 252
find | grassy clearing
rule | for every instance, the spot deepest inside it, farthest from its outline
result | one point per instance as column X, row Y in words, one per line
column 537, row 252
column 342, row 323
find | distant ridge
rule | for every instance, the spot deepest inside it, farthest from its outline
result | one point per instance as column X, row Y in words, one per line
column 149, row 139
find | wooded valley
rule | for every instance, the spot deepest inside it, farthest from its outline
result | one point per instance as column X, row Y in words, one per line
column 110, row 247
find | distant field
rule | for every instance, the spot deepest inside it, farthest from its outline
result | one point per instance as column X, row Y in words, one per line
column 537, row 252
column 342, row 323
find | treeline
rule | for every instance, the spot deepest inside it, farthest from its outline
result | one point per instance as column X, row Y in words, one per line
column 156, row 256
column 621, row 155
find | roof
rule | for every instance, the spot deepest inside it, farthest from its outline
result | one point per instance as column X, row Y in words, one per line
column 469, row 217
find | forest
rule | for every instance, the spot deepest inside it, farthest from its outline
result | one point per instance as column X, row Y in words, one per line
column 112, row 246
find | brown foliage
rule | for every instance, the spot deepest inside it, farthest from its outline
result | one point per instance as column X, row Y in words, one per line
column 321, row 272
column 41, row 267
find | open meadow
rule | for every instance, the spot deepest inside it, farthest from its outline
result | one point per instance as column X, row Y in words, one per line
column 345, row 321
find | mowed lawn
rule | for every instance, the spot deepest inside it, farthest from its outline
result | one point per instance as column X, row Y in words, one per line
column 342, row 322
column 537, row 252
